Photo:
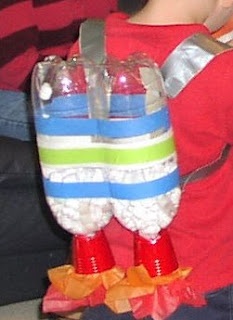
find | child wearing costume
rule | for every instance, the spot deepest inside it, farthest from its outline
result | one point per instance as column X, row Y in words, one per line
column 201, row 116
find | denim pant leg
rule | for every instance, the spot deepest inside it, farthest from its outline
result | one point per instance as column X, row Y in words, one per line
column 219, row 307
column 16, row 116
column 102, row 312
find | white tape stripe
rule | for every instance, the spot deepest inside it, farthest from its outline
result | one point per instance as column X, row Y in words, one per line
column 85, row 142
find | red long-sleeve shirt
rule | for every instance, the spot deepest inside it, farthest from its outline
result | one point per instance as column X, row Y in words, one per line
column 202, row 232
column 32, row 29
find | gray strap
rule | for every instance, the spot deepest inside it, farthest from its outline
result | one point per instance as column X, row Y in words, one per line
column 188, row 59
column 208, row 169
column 92, row 40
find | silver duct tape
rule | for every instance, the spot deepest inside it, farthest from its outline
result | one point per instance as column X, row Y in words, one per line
column 188, row 60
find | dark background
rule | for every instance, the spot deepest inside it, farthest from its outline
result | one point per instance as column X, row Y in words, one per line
column 130, row 6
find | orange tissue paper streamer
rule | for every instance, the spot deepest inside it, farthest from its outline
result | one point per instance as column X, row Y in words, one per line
column 158, row 296
column 78, row 286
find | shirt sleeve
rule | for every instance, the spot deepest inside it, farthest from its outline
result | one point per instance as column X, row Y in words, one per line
column 18, row 42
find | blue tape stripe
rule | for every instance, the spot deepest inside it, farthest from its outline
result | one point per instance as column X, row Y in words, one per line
column 115, row 190
column 110, row 129
column 131, row 105
column 66, row 106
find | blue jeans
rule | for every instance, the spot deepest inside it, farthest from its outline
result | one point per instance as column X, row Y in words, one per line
column 219, row 307
column 16, row 115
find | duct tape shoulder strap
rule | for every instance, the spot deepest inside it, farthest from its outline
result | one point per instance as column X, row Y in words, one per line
column 92, row 39
column 188, row 59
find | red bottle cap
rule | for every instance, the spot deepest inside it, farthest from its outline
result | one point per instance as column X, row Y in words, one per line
column 92, row 254
column 157, row 255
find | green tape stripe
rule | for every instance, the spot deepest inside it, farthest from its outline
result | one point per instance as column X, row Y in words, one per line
column 106, row 155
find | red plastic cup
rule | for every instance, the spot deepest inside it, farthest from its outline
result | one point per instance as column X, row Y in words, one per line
column 92, row 254
column 157, row 255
